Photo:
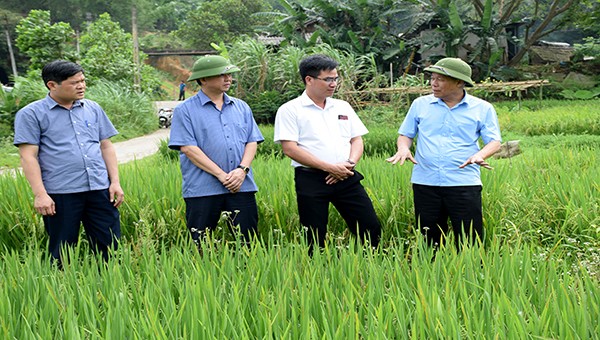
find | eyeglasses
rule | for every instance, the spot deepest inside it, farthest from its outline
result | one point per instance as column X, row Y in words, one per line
column 329, row 80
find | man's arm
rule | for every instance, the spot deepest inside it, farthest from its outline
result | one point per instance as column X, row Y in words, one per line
column 110, row 159
column 42, row 202
column 338, row 171
column 356, row 149
column 201, row 160
column 480, row 157
column 403, row 144
column 235, row 178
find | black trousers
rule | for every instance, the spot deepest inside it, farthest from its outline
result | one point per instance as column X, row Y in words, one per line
column 203, row 213
column 92, row 208
column 461, row 204
column 348, row 197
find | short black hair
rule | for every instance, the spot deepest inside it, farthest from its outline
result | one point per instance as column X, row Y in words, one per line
column 59, row 70
column 314, row 64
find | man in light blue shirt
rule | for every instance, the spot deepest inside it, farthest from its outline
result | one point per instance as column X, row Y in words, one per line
column 70, row 162
column 217, row 137
column 446, row 174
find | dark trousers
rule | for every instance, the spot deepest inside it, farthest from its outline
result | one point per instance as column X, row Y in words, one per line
column 181, row 95
column 92, row 208
column 461, row 204
column 348, row 197
column 203, row 213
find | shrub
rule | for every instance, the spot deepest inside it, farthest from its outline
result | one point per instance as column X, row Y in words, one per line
column 131, row 112
column 590, row 48
column 265, row 104
column 25, row 91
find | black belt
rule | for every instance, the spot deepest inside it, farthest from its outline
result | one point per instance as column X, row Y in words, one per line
column 312, row 170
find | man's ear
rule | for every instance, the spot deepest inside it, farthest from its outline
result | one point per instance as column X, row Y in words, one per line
column 51, row 84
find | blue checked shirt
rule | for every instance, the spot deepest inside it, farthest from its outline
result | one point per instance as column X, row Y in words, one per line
column 447, row 137
column 221, row 135
column 69, row 143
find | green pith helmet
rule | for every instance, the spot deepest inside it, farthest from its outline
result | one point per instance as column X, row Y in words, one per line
column 453, row 67
column 211, row 65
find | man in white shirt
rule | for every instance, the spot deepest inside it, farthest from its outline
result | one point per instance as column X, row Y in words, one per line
column 323, row 137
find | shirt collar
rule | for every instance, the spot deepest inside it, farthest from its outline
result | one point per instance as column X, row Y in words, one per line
column 466, row 99
column 306, row 101
column 204, row 98
column 51, row 103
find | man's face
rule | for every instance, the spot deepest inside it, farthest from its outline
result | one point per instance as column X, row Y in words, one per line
column 220, row 83
column 444, row 86
column 69, row 90
column 324, row 84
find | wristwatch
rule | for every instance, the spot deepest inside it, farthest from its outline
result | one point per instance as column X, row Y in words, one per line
column 245, row 168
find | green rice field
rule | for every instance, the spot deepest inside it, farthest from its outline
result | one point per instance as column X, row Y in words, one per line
column 536, row 275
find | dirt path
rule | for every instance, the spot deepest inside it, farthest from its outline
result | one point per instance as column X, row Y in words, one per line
column 140, row 147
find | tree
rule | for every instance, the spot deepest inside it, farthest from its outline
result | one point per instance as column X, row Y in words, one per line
column 43, row 42
column 545, row 22
column 166, row 15
column 364, row 27
column 220, row 20
column 290, row 20
column 8, row 21
column 106, row 50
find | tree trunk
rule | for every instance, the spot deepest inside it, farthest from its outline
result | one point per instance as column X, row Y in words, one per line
column 136, row 48
column 13, row 64
column 541, row 31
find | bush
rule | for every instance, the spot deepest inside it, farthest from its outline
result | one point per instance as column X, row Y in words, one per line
column 590, row 48
column 25, row 91
column 265, row 104
column 131, row 112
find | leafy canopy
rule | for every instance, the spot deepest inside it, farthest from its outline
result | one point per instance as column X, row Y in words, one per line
column 42, row 41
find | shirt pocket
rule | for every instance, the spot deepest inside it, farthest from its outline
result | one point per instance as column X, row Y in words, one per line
column 91, row 130
column 345, row 128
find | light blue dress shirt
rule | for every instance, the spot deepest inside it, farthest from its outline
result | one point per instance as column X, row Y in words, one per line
column 221, row 135
column 69, row 143
column 447, row 137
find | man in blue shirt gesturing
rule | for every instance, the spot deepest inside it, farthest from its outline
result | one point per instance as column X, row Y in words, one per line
column 446, row 173
column 217, row 138
column 70, row 162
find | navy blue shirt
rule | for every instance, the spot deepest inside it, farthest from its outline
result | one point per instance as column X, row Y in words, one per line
column 69, row 143
column 221, row 135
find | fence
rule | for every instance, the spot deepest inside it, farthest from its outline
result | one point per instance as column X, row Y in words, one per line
column 385, row 95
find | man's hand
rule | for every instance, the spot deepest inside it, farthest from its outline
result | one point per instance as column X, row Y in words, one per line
column 44, row 204
column 402, row 155
column 233, row 180
column 339, row 172
column 476, row 159
column 116, row 194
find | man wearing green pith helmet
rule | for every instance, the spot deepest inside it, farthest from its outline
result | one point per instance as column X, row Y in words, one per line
column 446, row 175
column 217, row 137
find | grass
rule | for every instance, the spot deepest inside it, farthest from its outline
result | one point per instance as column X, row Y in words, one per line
column 277, row 291
column 537, row 275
